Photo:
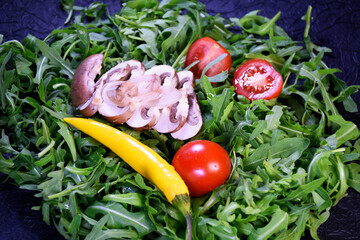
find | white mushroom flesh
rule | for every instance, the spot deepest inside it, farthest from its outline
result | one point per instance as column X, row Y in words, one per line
column 158, row 98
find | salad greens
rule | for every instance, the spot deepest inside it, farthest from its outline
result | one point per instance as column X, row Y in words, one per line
column 292, row 159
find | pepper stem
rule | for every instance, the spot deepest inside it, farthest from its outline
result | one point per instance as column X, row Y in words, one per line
column 188, row 227
column 182, row 202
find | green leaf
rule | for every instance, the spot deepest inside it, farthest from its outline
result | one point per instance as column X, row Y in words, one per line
column 68, row 6
column 42, row 66
column 315, row 221
column 313, row 167
column 23, row 66
column 220, row 104
column 303, row 190
column 119, row 217
column 273, row 118
column 315, row 76
column 347, row 131
column 177, row 37
column 2, row 86
column 279, row 221
column 79, row 171
column 69, row 138
column 140, row 4
column 213, row 229
column 226, row 213
column 135, row 199
column 55, row 58
column 283, row 148
column 253, row 23
column 52, row 186
column 354, row 176
column 75, row 225
column 297, row 231
column 260, row 126
column 98, row 233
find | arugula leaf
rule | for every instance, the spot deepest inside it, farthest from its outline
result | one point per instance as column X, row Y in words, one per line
column 119, row 216
column 55, row 58
column 292, row 159
column 283, row 148
column 278, row 222
column 98, row 233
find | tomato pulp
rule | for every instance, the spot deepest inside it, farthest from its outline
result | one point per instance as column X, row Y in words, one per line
column 207, row 50
column 203, row 165
column 257, row 79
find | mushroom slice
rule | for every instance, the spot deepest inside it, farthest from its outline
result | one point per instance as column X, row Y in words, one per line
column 125, row 92
column 170, row 118
column 147, row 110
column 144, row 118
column 116, row 106
column 146, row 83
column 136, row 68
column 92, row 105
column 83, row 84
column 186, row 77
column 149, row 106
column 193, row 122
column 166, row 73
column 174, row 117
column 119, row 72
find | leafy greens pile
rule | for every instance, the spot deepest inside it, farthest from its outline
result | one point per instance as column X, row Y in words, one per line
column 292, row 160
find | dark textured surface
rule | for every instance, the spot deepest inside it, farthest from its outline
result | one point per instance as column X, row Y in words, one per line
column 336, row 24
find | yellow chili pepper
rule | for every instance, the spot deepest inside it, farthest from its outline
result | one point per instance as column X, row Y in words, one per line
column 142, row 159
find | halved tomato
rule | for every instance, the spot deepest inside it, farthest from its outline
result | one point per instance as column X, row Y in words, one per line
column 207, row 50
column 257, row 79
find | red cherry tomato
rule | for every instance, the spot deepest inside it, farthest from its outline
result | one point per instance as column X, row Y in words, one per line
column 203, row 165
column 206, row 50
column 257, row 79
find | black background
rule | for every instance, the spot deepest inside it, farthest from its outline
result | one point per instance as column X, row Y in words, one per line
column 336, row 24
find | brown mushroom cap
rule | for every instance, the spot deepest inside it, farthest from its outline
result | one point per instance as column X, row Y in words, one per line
column 83, row 83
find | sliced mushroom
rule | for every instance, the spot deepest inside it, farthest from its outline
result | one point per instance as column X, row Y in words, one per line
column 166, row 73
column 144, row 118
column 125, row 92
column 92, row 105
column 115, row 108
column 119, row 72
column 174, row 117
column 149, row 106
column 193, row 122
column 158, row 98
column 188, row 78
column 83, row 84
column 146, row 83
column 137, row 68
